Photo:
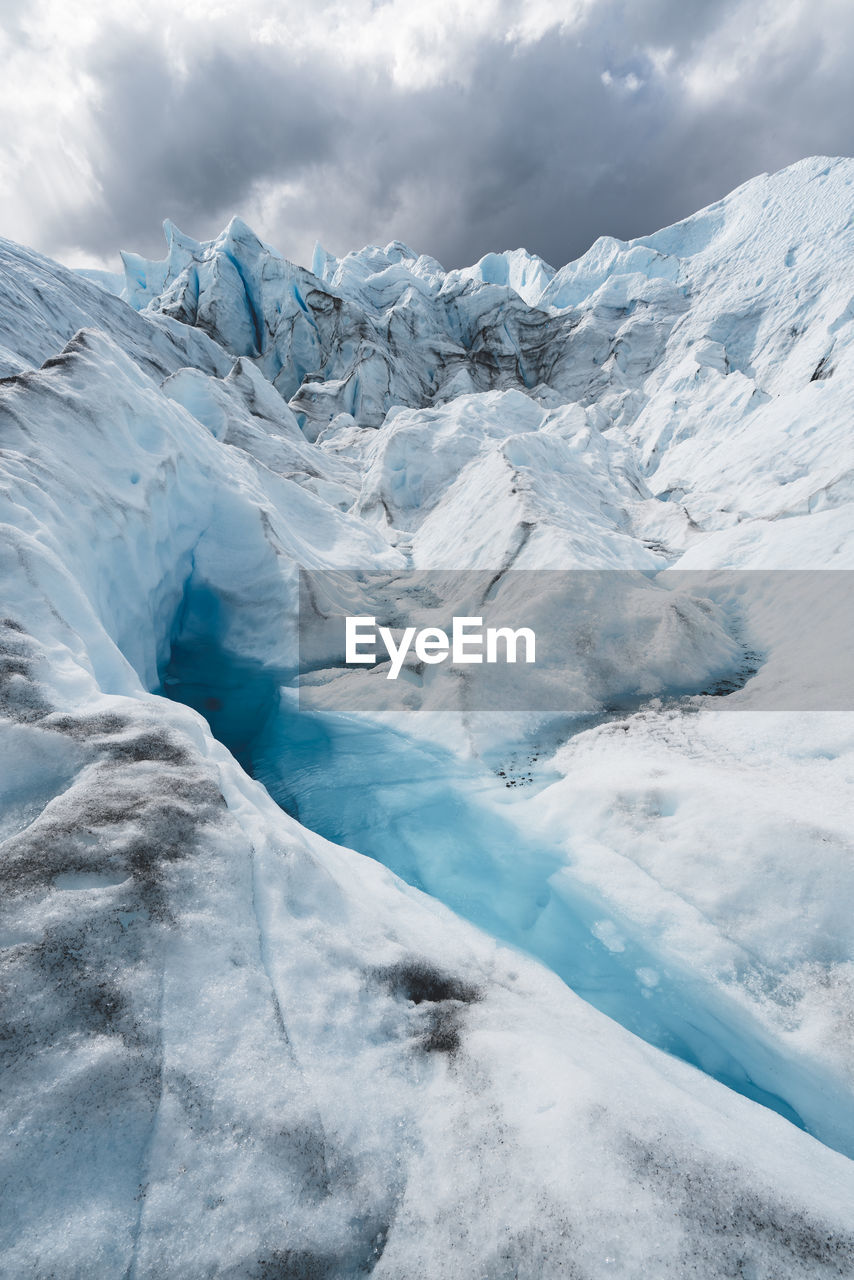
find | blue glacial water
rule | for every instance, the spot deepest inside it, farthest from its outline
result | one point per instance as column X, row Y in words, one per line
column 451, row 828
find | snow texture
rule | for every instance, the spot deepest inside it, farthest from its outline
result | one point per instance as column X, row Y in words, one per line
column 311, row 995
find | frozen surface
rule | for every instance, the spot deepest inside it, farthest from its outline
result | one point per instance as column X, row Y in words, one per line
column 593, row 1016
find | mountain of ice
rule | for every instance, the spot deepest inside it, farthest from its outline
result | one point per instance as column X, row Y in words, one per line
column 594, row 1023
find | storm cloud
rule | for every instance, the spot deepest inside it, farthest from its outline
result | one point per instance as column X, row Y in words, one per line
column 457, row 128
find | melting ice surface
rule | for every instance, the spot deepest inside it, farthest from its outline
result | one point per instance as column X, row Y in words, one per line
column 237, row 1048
column 446, row 826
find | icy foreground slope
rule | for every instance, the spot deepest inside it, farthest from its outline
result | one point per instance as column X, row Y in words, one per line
column 233, row 1048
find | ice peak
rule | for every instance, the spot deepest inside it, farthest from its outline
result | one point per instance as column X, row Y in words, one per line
column 331, row 339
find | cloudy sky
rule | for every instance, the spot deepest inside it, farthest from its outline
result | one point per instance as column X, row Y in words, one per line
column 459, row 127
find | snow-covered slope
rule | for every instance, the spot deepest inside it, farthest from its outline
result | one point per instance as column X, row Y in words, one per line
column 574, row 1026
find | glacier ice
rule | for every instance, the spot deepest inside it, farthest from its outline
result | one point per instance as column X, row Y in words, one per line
column 297, row 993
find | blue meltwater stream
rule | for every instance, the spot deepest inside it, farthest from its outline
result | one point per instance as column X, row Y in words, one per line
column 446, row 826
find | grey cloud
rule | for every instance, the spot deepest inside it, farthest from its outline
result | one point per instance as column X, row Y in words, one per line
column 189, row 147
column 536, row 150
column 665, row 23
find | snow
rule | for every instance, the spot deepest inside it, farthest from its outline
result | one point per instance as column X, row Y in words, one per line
column 524, row 272
column 327, row 987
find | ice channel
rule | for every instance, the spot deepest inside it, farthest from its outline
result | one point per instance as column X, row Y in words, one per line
column 447, row 827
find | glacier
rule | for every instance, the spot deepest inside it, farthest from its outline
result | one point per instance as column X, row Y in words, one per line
column 297, row 991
